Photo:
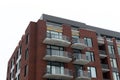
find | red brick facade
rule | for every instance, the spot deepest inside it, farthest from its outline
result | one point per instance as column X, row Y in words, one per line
column 37, row 50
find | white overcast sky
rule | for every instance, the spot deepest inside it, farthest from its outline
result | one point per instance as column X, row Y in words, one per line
column 15, row 16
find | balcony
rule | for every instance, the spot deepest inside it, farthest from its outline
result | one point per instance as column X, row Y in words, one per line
column 105, row 67
column 109, row 40
column 58, row 74
column 60, row 56
column 102, row 54
column 80, row 59
column 100, row 40
column 78, row 44
column 55, row 39
column 83, row 75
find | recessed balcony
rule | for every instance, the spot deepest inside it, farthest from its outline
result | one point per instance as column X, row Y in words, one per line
column 80, row 59
column 78, row 44
column 55, row 39
column 105, row 67
column 118, row 42
column 100, row 40
column 60, row 56
column 109, row 40
column 58, row 74
column 83, row 75
column 102, row 54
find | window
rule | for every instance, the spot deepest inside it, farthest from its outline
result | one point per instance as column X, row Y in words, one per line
column 55, row 68
column 78, row 67
column 119, row 50
column 19, row 52
column 90, row 56
column 92, row 72
column 55, row 50
column 27, row 39
column 19, row 77
column 111, row 49
column 26, row 54
column 75, row 39
column 116, row 76
column 25, row 70
column 54, row 34
column 113, row 63
column 12, row 63
column 88, row 42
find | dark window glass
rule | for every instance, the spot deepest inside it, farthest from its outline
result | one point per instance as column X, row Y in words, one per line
column 25, row 70
column 27, row 39
column 26, row 54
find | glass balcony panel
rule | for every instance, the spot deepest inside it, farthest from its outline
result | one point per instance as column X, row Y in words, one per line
column 57, row 55
column 83, row 75
column 78, row 43
column 58, row 73
column 80, row 59
column 57, row 39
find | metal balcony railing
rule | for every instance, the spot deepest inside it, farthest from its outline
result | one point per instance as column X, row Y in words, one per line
column 84, row 74
column 80, row 59
column 102, row 52
column 79, row 56
column 78, row 43
column 105, row 66
column 58, row 73
column 100, row 40
column 59, row 53
column 77, row 40
column 56, row 36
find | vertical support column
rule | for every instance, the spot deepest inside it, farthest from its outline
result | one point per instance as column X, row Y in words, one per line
column 67, row 32
column 40, row 49
column 31, row 51
column 108, row 59
column 94, row 48
column 116, row 54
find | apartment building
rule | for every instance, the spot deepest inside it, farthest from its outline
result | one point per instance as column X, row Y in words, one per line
column 54, row 48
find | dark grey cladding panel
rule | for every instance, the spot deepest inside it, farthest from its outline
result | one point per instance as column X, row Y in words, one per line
column 80, row 25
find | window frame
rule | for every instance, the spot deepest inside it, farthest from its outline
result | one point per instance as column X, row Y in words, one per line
column 88, row 41
column 111, row 49
column 92, row 71
column 90, row 56
column 113, row 63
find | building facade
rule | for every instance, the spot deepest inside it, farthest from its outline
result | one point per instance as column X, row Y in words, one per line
column 59, row 49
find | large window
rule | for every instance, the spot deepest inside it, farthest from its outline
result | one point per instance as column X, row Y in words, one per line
column 113, row 63
column 92, row 72
column 88, row 42
column 111, row 49
column 116, row 76
column 55, row 68
column 75, row 39
column 54, row 34
column 90, row 56
column 55, row 50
